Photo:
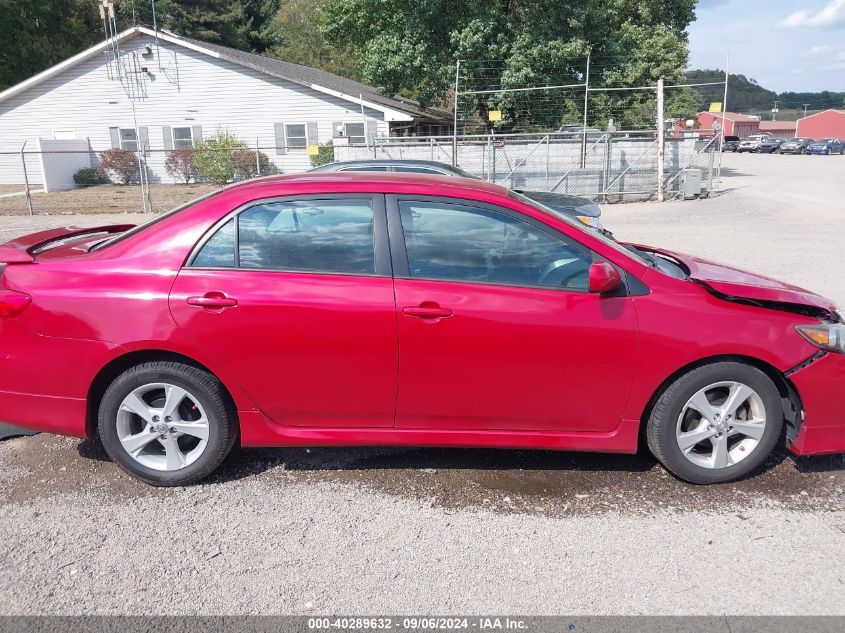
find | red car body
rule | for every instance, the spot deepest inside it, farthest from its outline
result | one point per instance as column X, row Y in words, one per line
column 320, row 359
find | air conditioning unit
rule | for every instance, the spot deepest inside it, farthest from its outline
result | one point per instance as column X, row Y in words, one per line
column 691, row 183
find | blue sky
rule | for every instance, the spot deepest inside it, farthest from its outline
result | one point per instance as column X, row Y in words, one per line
column 784, row 44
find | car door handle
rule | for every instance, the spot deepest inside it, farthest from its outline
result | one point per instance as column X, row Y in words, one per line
column 427, row 310
column 213, row 300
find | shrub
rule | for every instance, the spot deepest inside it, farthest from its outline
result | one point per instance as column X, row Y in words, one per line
column 118, row 164
column 180, row 164
column 324, row 155
column 243, row 163
column 88, row 176
column 214, row 157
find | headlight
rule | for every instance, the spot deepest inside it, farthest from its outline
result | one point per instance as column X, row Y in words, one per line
column 589, row 215
column 590, row 221
column 830, row 337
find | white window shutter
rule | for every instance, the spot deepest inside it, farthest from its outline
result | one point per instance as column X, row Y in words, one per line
column 114, row 134
column 311, row 133
column 144, row 140
column 196, row 134
column 372, row 127
column 280, row 138
column 167, row 137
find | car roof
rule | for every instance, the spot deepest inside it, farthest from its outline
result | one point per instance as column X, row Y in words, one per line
column 385, row 162
column 376, row 181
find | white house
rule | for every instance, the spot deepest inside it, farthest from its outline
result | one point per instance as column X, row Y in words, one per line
column 159, row 91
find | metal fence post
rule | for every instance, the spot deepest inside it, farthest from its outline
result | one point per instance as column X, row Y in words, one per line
column 455, row 122
column 257, row 159
column 26, row 179
column 548, row 157
column 661, row 138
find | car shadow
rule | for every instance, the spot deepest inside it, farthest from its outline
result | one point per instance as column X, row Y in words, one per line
column 511, row 480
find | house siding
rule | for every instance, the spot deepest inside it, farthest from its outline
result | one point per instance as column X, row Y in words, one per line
column 191, row 89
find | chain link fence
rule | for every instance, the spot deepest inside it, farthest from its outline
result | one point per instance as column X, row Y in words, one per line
column 609, row 167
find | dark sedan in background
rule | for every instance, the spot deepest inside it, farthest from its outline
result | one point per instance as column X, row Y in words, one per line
column 769, row 145
column 576, row 207
column 797, row 145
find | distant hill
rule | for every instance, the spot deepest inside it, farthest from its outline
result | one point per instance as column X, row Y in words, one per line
column 746, row 96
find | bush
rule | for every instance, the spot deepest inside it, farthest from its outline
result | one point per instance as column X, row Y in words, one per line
column 214, row 157
column 118, row 164
column 180, row 164
column 324, row 155
column 243, row 163
column 88, row 176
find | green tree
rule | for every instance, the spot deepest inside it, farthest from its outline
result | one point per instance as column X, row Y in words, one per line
column 215, row 157
column 37, row 34
column 241, row 24
column 297, row 37
column 411, row 48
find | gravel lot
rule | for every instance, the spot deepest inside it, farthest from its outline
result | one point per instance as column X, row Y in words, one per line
column 370, row 530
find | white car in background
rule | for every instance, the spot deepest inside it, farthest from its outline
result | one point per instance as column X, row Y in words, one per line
column 752, row 143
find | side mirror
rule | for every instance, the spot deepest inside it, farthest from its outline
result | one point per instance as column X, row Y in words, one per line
column 604, row 277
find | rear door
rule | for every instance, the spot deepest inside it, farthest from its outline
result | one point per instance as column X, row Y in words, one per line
column 294, row 296
column 496, row 328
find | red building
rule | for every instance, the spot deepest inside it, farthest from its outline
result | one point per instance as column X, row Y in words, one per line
column 826, row 124
column 778, row 129
column 732, row 124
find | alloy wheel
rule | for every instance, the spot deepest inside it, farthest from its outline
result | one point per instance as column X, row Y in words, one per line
column 162, row 426
column 721, row 424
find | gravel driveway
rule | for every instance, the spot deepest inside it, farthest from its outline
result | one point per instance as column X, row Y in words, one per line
column 369, row 530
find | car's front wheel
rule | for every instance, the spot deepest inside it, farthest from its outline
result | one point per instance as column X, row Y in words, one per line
column 167, row 423
column 716, row 423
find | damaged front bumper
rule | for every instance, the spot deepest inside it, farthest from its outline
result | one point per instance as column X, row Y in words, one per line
column 821, row 387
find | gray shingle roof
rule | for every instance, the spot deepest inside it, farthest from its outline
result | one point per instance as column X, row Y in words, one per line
column 306, row 76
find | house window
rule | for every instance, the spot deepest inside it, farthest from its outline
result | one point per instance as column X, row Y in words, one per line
column 182, row 137
column 129, row 139
column 297, row 137
column 356, row 133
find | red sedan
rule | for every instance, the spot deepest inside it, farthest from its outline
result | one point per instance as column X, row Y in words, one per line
column 329, row 309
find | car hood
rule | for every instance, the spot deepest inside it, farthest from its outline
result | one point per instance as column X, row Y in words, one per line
column 561, row 200
column 736, row 283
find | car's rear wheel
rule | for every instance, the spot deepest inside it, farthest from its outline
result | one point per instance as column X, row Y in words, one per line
column 167, row 423
column 716, row 423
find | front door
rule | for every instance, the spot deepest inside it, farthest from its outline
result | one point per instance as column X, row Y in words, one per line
column 295, row 299
column 496, row 328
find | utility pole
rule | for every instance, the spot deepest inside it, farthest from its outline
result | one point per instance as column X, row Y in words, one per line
column 455, row 123
column 775, row 112
column 661, row 137
column 805, row 109
column 586, row 103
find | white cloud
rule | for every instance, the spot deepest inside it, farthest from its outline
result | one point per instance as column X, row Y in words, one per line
column 817, row 51
column 833, row 14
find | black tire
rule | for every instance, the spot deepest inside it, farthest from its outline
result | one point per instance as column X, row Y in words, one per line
column 661, row 428
column 207, row 390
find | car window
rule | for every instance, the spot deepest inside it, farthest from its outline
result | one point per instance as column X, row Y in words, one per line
column 219, row 251
column 331, row 236
column 453, row 241
column 373, row 168
column 418, row 170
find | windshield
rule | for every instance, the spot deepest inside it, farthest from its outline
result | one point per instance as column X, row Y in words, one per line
column 150, row 222
column 635, row 255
